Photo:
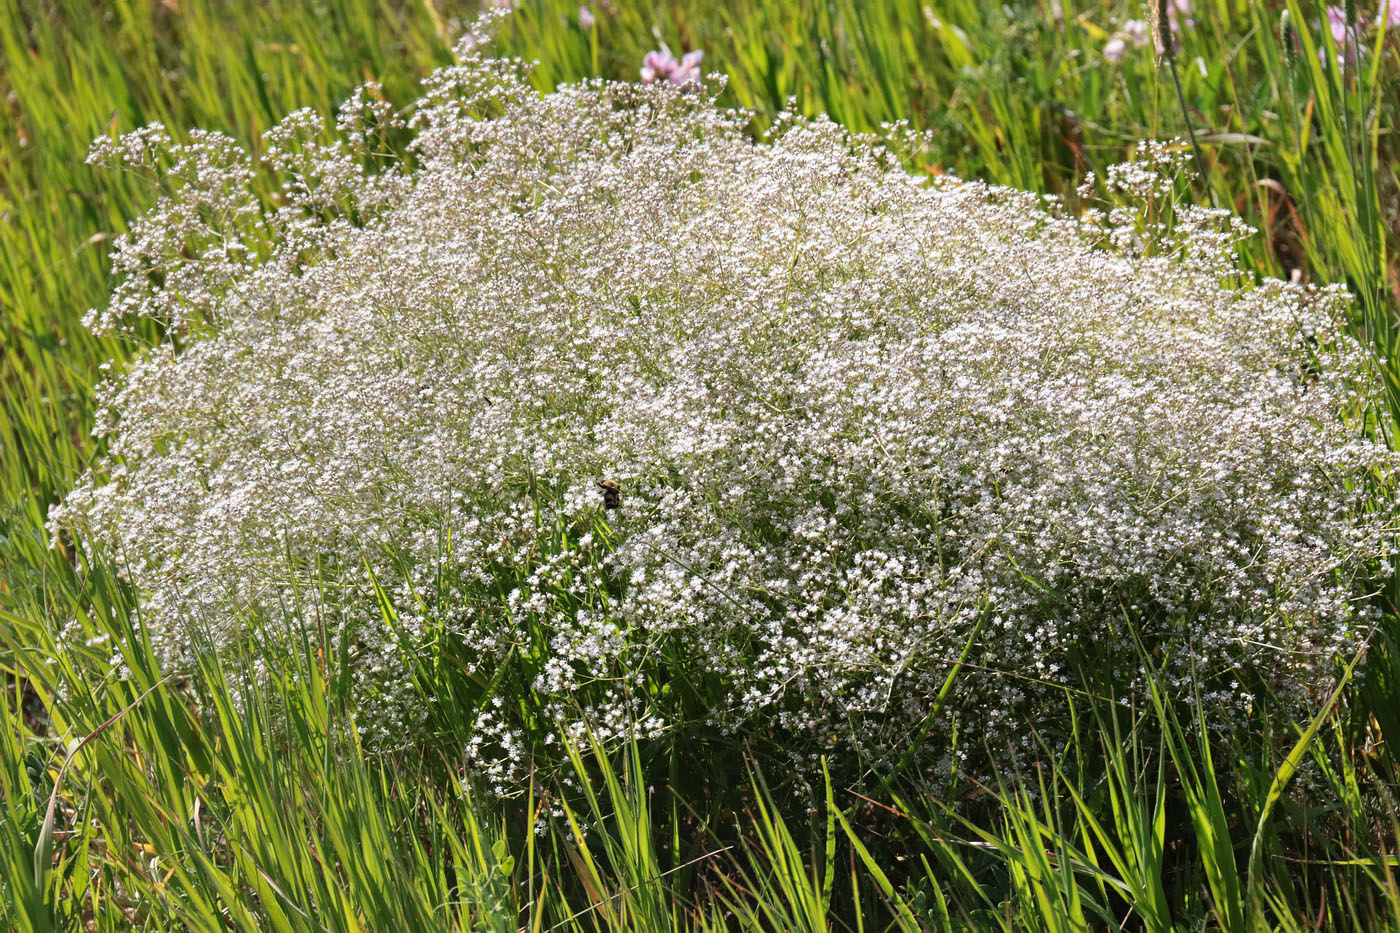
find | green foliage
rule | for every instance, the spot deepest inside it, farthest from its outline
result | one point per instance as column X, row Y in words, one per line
column 271, row 817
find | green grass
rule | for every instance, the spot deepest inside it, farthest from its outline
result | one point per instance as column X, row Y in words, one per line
column 166, row 817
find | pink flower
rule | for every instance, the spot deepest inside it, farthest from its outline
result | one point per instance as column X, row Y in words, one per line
column 1337, row 22
column 585, row 18
column 656, row 64
column 1134, row 33
column 663, row 65
column 1388, row 16
column 689, row 69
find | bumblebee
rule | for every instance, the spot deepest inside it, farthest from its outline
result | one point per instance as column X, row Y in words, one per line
column 612, row 493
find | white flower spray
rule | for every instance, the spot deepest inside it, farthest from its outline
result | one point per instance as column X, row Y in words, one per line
column 853, row 415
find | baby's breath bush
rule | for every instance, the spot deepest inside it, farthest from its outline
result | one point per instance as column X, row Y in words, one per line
column 859, row 420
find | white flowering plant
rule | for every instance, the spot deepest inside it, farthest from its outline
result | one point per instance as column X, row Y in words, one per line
column 866, row 428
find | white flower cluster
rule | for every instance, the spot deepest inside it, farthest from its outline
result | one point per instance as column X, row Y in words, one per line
column 858, row 421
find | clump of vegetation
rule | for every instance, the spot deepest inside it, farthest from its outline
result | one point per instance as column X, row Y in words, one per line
column 125, row 804
column 862, row 428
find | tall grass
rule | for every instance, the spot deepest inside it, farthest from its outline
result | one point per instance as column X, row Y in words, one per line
column 241, row 819
column 134, row 806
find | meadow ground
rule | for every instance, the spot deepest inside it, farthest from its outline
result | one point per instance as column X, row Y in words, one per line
column 126, row 804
